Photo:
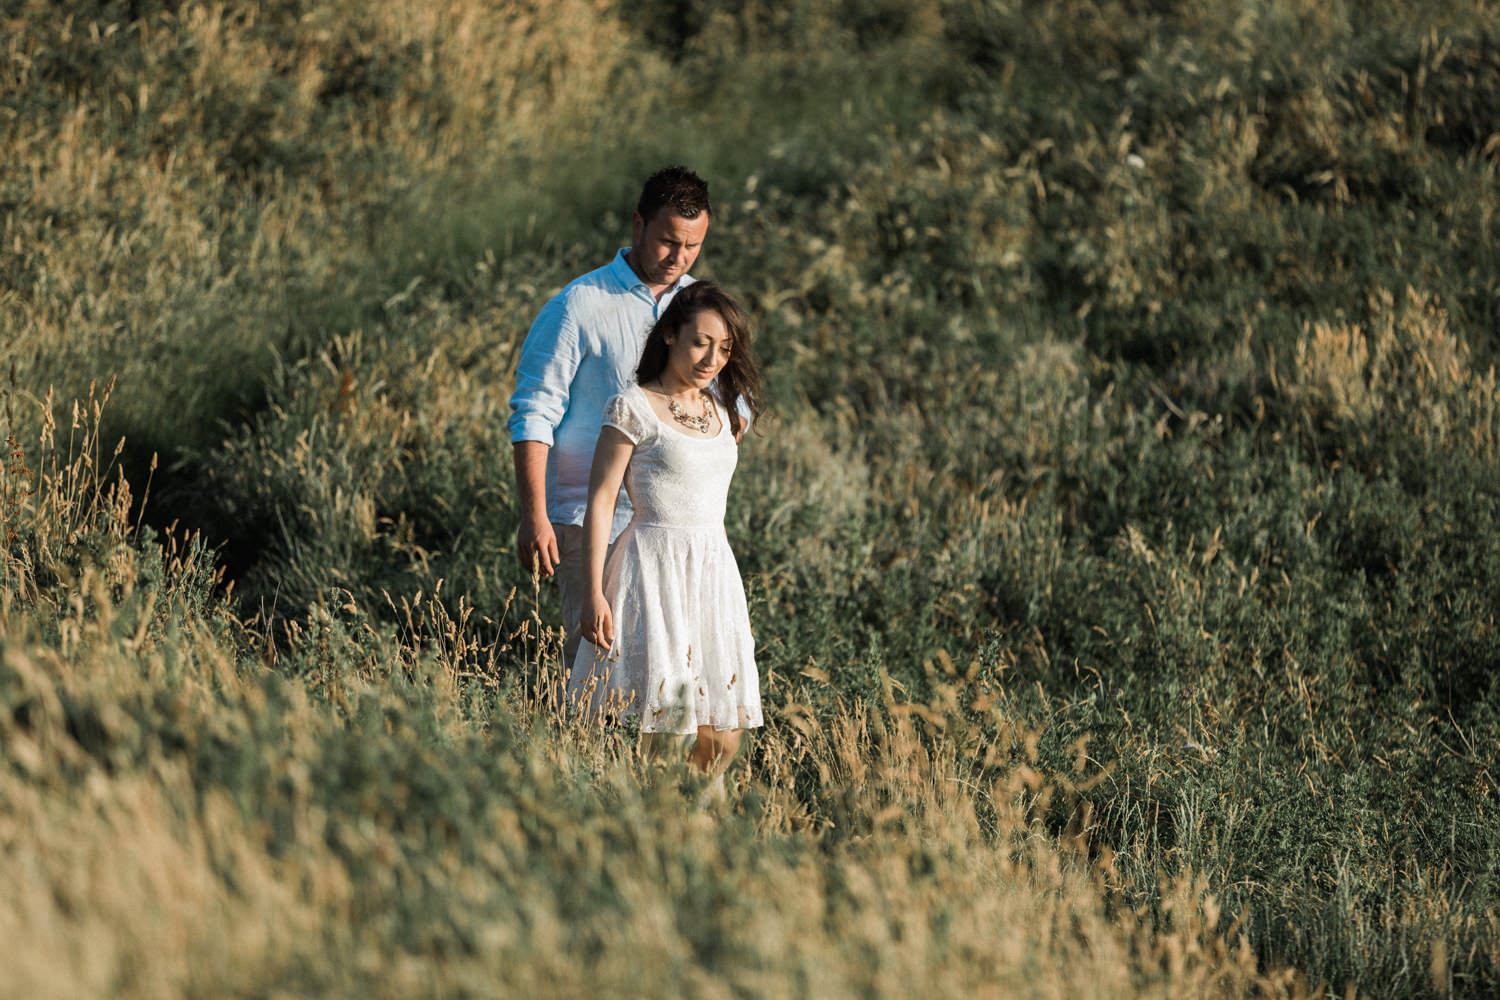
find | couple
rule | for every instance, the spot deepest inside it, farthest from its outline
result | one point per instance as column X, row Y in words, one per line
column 636, row 374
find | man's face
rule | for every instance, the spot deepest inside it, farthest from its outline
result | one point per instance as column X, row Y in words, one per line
column 665, row 246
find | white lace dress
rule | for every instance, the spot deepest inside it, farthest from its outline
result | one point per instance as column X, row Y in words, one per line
column 683, row 654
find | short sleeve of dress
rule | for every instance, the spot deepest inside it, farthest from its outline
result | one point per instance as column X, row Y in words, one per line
column 621, row 414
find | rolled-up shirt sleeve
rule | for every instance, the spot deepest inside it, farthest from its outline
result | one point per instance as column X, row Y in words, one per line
column 549, row 359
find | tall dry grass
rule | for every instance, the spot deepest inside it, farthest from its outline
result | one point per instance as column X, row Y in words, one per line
column 191, row 187
column 1117, row 555
column 189, row 810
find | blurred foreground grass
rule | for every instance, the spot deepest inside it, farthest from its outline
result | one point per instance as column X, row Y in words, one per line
column 1122, row 552
column 390, row 808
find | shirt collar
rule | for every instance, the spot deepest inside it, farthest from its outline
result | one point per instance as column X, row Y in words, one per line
column 626, row 276
column 620, row 268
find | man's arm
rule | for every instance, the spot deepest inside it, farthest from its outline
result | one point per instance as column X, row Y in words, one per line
column 536, row 542
column 544, row 375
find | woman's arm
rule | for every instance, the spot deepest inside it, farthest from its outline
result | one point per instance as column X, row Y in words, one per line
column 611, row 456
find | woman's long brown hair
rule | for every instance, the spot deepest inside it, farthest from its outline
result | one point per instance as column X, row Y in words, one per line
column 738, row 382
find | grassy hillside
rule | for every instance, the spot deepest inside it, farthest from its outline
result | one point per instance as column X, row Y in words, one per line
column 1121, row 552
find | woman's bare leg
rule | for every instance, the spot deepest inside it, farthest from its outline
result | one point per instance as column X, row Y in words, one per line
column 711, row 755
column 714, row 749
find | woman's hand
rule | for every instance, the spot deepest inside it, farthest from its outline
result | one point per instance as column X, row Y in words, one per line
column 611, row 458
column 598, row 621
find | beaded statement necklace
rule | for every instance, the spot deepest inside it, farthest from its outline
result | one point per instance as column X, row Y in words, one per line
column 697, row 422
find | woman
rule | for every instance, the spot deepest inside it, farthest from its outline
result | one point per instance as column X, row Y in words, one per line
column 667, row 628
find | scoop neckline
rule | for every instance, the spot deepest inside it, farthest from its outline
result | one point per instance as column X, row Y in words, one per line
column 719, row 410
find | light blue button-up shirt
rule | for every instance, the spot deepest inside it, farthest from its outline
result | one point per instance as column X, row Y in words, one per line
column 582, row 350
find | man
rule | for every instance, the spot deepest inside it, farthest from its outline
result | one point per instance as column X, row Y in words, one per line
column 582, row 350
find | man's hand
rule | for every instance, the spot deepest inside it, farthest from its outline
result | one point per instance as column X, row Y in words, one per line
column 536, row 545
column 536, row 542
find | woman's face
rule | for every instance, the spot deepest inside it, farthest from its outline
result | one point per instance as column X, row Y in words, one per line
column 699, row 349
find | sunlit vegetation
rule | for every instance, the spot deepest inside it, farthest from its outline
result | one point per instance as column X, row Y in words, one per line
column 1121, row 549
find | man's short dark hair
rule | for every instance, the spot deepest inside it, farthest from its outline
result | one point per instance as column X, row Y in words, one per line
column 678, row 187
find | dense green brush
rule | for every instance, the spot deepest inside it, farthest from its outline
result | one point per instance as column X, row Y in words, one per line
column 1123, row 532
